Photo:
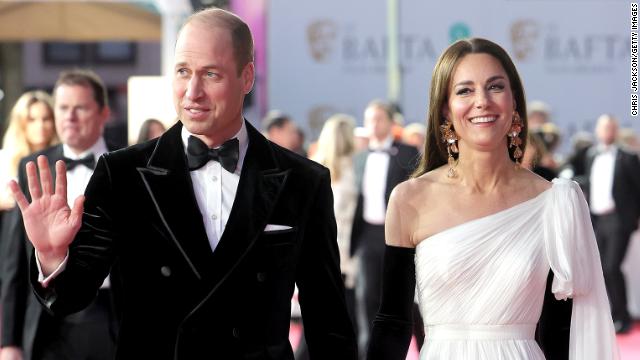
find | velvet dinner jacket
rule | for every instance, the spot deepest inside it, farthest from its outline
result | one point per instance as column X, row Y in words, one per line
column 179, row 299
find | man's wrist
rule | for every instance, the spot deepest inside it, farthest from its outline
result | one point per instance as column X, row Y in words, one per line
column 51, row 260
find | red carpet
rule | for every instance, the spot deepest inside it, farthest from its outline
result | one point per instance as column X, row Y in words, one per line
column 629, row 343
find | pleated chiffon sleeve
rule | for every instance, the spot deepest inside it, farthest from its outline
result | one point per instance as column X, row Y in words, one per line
column 573, row 255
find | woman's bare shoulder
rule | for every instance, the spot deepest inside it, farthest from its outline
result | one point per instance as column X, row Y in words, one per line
column 532, row 181
column 407, row 207
column 414, row 189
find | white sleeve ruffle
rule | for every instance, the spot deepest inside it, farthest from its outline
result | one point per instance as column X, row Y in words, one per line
column 574, row 258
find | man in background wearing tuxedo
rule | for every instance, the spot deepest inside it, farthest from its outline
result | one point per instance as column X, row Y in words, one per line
column 28, row 331
column 378, row 170
column 613, row 187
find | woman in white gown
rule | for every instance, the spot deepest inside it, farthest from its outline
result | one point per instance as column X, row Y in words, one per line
column 481, row 233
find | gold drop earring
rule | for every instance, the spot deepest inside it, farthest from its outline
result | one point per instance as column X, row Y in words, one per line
column 451, row 139
column 515, row 141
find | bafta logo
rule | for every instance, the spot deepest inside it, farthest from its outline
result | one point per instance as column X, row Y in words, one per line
column 524, row 34
column 321, row 36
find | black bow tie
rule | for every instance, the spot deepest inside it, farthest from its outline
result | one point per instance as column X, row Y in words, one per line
column 88, row 161
column 198, row 154
column 391, row 151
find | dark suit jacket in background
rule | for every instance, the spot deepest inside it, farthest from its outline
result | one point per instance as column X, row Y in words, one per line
column 180, row 300
column 23, row 317
column 626, row 185
column 403, row 160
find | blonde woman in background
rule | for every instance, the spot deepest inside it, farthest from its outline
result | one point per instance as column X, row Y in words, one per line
column 31, row 128
column 335, row 151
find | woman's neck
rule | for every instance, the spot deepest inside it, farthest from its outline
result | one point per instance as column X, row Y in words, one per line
column 484, row 172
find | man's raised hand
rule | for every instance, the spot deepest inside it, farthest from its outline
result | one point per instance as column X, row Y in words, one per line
column 49, row 222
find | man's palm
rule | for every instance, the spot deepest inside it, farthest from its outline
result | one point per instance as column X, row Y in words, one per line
column 49, row 222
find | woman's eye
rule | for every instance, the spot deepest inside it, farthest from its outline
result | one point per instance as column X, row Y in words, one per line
column 463, row 91
column 496, row 87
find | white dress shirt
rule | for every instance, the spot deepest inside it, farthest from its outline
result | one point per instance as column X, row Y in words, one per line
column 215, row 188
column 374, row 181
column 78, row 178
column 601, row 181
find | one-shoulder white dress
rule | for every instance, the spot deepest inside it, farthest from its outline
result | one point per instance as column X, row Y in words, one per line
column 481, row 284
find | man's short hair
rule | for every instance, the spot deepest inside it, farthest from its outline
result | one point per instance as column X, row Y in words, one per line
column 275, row 119
column 87, row 78
column 241, row 38
column 384, row 106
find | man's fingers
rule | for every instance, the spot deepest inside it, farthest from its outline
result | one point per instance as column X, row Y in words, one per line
column 32, row 180
column 45, row 175
column 61, row 179
column 76, row 212
column 21, row 200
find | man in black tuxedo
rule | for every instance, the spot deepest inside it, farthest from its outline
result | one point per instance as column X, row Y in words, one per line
column 211, row 225
column 612, row 178
column 378, row 171
column 28, row 331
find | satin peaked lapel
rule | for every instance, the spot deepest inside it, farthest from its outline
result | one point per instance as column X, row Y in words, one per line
column 260, row 186
column 167, row 180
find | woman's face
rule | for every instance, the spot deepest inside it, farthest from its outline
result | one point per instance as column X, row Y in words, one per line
column 480, row 103
column 40, row 126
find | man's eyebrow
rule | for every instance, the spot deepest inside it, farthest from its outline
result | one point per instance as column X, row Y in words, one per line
column 210, row 66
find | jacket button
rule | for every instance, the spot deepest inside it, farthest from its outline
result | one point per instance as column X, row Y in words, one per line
column 261, row 277
column 236, row 333
column 165, row 271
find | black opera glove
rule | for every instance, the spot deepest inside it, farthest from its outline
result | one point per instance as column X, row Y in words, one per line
column 392, row 327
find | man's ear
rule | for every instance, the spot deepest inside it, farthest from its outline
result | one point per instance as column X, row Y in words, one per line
column 248, row 76
column 105, row 113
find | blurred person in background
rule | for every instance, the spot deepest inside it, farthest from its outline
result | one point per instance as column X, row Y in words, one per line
column 28, row 331
column 378, row 170
column 574, row 165
column 299, row 143
column 612, row 183
column 31, row 128
column 335, row 151
column 415, row 134
column 150, row 129
column 534, row 155
column 281, row 129
column 629, row 139
column 538, row 114
column 550, row 135
column 361, row 138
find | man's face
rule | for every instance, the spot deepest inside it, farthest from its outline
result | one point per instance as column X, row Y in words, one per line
column 79, row 119
column 285, row 136
column 607, row 130
column 378, row 123
column 207, row 90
